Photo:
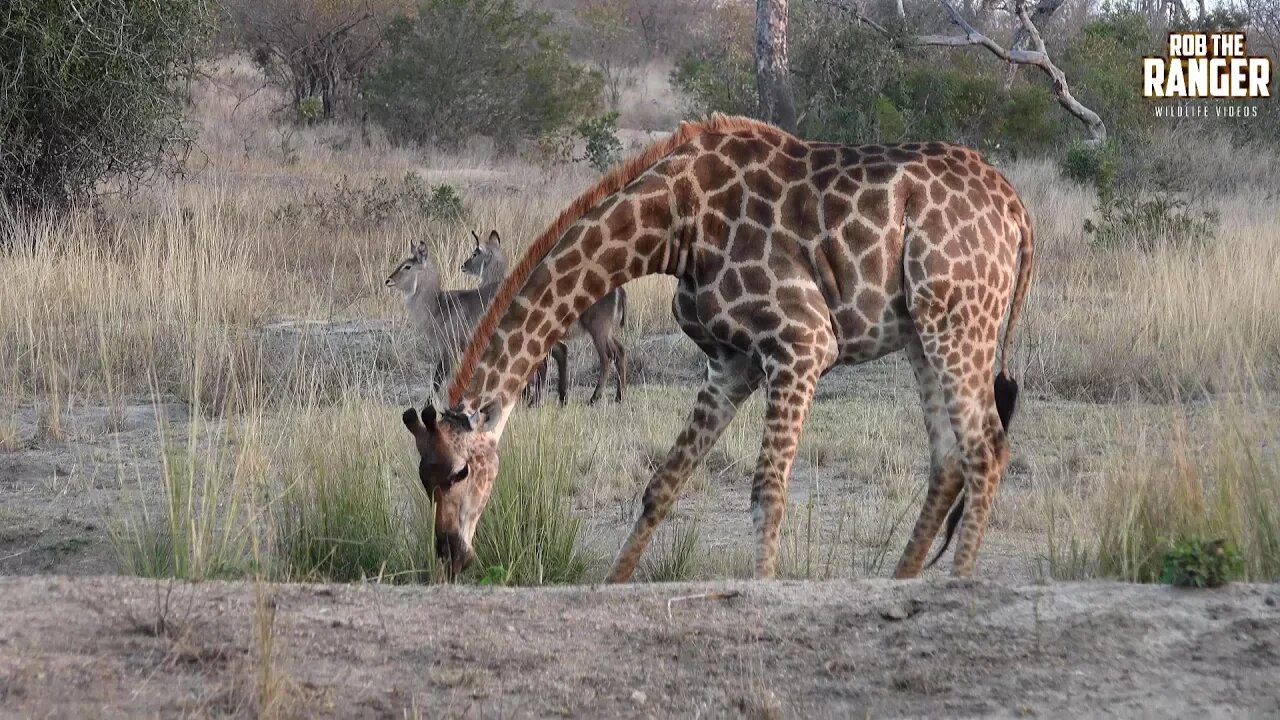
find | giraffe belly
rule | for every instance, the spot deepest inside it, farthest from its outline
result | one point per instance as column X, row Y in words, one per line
column 870, row 330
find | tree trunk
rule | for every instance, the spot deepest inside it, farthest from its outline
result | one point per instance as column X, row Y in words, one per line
column 773, row 78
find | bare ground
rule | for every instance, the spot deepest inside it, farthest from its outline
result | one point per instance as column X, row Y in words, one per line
column 94, row 646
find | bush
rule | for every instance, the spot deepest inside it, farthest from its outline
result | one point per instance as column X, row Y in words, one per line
column 350, row 205
column 603, row 149
column 1091, row 165
column 853, row 86
column 1148, row 223
column 460, row 68
column 87, row 94
column 1193, row 562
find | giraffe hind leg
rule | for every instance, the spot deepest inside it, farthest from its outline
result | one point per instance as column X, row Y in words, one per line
column 1006, row 391
column 945, row 478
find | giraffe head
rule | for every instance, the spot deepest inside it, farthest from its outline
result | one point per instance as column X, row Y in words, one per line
column 485, row 255
column 457, row 464
column 411, row 270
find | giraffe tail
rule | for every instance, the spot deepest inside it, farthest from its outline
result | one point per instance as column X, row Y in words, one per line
column 622, row 307
column 1026, row 262
column 1006, row 388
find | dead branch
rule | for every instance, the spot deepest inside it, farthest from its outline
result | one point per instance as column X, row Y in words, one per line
column 723, row 595
column 1037, row 56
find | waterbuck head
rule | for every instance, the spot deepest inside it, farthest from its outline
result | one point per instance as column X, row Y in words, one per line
column 487, row 261
column 411, row 270
column 457, row 466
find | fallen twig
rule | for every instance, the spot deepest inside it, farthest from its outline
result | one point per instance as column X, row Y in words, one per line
column 720, row 595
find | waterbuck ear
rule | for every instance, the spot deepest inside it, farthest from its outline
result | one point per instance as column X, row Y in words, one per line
column 419, row 250
column 494, row 238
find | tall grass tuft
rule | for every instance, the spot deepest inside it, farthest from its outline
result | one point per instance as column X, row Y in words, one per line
column 342, row 512
column 529, row 528
column 201, row 530
column 674, row 556
column 1225, row 488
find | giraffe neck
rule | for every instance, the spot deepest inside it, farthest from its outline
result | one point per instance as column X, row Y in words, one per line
column 594, row 256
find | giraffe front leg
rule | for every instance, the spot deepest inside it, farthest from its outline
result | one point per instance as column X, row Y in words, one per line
column 716, row 405
column 790, row 396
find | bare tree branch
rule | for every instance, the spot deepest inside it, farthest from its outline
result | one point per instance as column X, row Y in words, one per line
column 1037, row 56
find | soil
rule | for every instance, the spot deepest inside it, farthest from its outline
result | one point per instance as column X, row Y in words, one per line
column 104, row 646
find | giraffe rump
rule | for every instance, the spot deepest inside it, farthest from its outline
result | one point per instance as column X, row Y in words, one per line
column 612, row 182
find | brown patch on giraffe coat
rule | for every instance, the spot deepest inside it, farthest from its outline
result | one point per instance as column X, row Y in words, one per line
column 873, row 204
column 759, row 211
column 800, row 212
column 763, row 184
column 727, row 201
column 711, row 172
column 788, row 170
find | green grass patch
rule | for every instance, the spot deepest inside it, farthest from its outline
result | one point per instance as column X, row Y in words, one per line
column 529, row 529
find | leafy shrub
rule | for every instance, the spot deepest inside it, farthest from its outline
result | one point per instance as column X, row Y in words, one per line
column 1091, row 165
column 1147, row 223
column 310, row 110
column 350, row 205
column 603, row 148
column 87, row 94
column 1198, row 563
column 852, row 86
column 461, row 68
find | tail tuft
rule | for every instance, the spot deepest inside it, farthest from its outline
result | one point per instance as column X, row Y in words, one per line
column 1006, row 398
column 622, row 307
column 953, row 522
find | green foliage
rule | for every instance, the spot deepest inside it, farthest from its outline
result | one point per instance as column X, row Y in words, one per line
column 493, row 575
column 350, row 205
column 852, row 86
column 1149, row 222
column 310, row 110
column 460, row 68
column 1091, row 165
column 528, row 527
column 1194, row 562
column 87, row 94
column 603, row 148
column 1104, row 65
column 444, row 203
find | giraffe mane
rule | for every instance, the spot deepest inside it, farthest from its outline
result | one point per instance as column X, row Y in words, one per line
column 617, row 178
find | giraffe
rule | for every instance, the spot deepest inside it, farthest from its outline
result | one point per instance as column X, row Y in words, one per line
column 792, row 257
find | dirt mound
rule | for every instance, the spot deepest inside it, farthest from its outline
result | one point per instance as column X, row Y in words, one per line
column 119, row 646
